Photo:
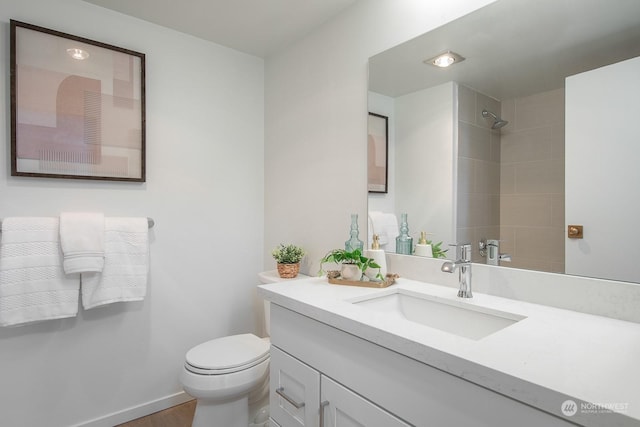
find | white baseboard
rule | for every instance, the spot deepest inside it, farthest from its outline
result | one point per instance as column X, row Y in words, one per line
column 138, row 411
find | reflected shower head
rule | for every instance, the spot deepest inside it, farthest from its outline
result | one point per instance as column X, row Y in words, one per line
column 497, row 121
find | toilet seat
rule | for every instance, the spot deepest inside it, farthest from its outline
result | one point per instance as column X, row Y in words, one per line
column 227, row 355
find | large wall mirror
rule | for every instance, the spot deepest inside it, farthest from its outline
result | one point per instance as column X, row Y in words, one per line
column 533, row 132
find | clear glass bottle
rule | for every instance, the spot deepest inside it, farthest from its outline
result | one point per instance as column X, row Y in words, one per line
column 404, row 242
column 354, row 242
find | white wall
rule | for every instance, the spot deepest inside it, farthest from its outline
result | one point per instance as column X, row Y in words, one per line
column 316, row 120
column 427, row 152
column 602, row 108
column 204, row 189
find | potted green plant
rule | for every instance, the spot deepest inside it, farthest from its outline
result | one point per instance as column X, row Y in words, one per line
column 288, row 258
column 353, row 263
column 438, row 252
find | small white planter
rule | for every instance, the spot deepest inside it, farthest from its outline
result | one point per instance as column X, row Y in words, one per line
column 350, row 272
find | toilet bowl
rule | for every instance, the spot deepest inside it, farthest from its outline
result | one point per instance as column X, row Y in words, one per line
column 229, row 376
column 222, row 374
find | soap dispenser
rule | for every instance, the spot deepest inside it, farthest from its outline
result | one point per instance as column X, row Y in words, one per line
column 423, row 248
column 404, row 242
column 378, row 256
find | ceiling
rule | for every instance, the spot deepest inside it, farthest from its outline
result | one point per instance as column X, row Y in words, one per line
column 257, row 27
column 514, row 47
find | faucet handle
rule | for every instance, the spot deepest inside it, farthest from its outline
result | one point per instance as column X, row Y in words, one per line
column 463, row 251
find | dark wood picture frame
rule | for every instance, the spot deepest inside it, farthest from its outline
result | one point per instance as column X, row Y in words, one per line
column 77, row 107
column 377, row 153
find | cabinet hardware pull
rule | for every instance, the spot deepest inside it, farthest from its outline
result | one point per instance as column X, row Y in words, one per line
column 322, row 405
column 280, row 392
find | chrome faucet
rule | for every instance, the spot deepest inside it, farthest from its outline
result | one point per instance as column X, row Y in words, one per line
column 490, row 248
column 463, row 261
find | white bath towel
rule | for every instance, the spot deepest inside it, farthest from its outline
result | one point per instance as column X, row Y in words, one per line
column 82, row 241
column 33, row 285
column 126, row 265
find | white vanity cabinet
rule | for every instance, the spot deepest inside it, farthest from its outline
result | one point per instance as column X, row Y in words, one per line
column 302, row 396
column 359, row 383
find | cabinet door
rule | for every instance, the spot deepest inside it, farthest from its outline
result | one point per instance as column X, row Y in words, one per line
column 343, row 408
column 294, row 391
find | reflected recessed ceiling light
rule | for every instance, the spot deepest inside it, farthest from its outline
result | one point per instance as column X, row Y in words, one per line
column 444, row 59
column 78, row 54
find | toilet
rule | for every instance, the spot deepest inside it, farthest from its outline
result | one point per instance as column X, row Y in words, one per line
column 229, row 376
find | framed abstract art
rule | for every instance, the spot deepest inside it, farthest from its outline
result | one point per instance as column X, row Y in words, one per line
column 77, row 107
column 377, row 152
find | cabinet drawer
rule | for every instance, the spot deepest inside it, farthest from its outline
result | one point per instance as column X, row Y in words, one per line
column 343, row 408
column 294, row 391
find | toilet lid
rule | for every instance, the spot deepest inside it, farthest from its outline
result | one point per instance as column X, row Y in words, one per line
column 228, row 353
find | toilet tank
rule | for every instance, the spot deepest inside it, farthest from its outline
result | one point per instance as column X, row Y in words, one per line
column 267, row 277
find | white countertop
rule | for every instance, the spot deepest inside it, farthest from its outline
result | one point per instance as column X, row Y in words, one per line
column 550, row 356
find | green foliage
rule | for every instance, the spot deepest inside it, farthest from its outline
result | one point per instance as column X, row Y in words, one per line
column 437, row 251
column 341, row 256
column 287, row 254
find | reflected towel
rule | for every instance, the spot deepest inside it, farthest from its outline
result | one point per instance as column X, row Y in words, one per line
column 82, row 241
column 389, row 224
column 385, row 225
column 126, row 265
column 33, row 286
column 376, row 218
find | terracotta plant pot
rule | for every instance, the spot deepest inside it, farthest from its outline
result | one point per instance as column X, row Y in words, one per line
column 288, row 271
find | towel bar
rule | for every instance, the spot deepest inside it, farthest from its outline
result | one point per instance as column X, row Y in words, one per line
column 150, row 221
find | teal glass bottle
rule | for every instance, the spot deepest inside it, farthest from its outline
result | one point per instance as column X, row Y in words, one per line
column 354, row 242
column 404, row 242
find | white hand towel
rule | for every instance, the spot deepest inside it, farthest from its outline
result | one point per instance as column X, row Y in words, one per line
column 33, row 285
column 390, row 227
column 126, row 266
column 82, row 240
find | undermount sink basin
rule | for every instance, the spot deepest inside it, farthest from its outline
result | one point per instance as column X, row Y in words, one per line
column 461, row 319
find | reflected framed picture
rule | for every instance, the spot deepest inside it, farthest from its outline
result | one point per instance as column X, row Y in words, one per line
column 377, row 153
column 77, row 107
